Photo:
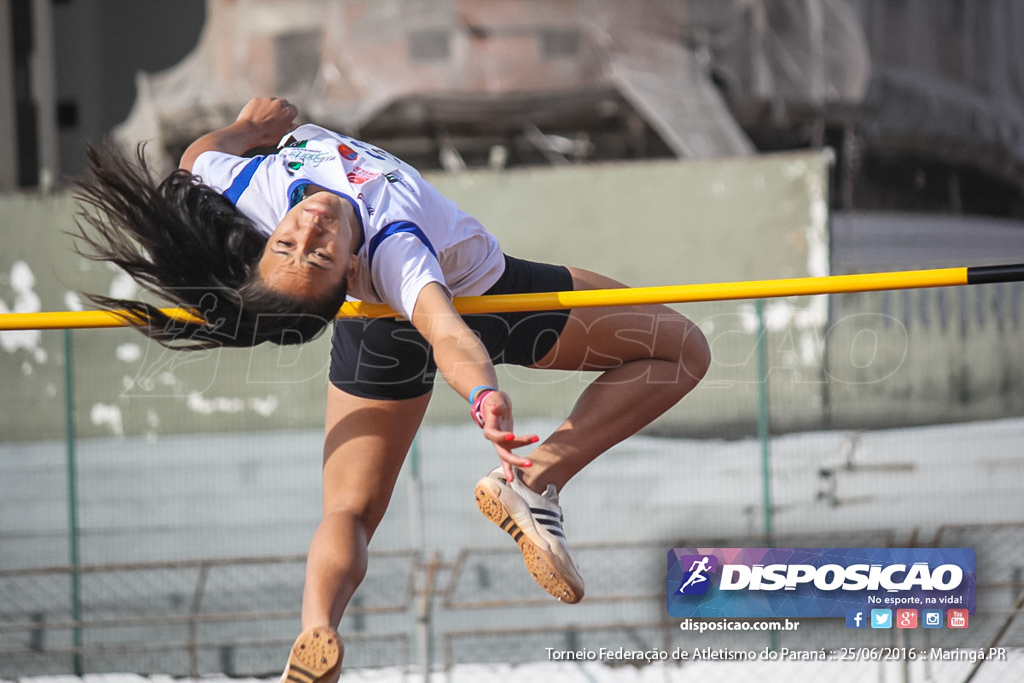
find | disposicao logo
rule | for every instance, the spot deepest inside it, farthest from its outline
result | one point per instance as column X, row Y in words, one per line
column 818, row 582
column 697, row 580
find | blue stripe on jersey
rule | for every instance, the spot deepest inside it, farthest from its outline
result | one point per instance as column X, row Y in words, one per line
column 394, row 229
column 243, row 179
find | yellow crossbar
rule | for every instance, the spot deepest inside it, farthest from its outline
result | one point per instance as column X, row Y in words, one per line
column 723, row 291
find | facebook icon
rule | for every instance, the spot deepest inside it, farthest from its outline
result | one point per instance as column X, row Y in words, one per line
column 856, row 618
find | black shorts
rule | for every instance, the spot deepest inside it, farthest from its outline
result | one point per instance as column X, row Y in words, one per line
column 388, row 359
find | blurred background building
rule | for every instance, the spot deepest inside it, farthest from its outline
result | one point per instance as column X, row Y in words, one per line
column 921, row 100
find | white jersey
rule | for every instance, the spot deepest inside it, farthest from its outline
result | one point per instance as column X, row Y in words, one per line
column 411, row 234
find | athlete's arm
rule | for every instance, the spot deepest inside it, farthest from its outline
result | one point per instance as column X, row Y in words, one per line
column 262, row 122
column 465, row 364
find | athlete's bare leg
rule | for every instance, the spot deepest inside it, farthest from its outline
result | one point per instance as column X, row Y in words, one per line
column 364, row 446
column 650, row 358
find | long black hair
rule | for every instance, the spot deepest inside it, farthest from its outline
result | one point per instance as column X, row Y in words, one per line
column 185, row 243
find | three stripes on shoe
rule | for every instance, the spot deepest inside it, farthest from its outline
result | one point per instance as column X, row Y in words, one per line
column 315, row 656
column 550, row 520
column 300, row 675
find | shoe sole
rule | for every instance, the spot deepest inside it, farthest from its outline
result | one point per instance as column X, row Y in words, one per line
column 540, row 563
column 315, row 656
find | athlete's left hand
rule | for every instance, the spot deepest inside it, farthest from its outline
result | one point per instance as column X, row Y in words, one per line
column 497, row 416
column 262, row 122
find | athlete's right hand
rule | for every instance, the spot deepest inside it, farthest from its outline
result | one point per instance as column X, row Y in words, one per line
column 496, row 408
column 270, row 119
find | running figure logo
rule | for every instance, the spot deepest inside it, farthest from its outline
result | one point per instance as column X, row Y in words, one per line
column 696, row 580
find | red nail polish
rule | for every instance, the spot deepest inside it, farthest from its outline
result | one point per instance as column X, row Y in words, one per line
column 510, row 437
column 528, row 463
column 534, row 439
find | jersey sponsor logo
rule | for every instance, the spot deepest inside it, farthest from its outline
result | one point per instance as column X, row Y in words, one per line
column 394, row 177
column 297, row 156
column 359, row 175
column 347, row 152
column 369, row 209
column 376, row 153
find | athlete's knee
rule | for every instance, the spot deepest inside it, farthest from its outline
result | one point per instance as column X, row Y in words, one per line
column 696, row 354
column 359, row 521
column 338, row 552
column 685, row 344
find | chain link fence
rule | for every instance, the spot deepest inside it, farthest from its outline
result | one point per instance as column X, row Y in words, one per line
column 238, row 616
column 191, row 547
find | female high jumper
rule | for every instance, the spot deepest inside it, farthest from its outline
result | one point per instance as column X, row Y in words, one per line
column 267, row 248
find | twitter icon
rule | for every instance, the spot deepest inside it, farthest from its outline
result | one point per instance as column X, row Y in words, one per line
column 881, row 618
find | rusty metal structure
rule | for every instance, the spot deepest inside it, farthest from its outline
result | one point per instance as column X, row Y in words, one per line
column 464, row 82
column 922, row 101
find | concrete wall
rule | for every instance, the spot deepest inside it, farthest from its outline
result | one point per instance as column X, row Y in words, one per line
column 867, row 358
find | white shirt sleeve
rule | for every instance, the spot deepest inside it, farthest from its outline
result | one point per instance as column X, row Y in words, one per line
column 218, row 169
column 402, row 266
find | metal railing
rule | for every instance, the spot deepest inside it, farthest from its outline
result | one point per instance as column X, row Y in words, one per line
column 239, row 615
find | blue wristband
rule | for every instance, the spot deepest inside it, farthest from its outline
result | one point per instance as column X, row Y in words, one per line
column 477, row 390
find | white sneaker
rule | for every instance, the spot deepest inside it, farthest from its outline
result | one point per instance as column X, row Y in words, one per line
column 534, row 521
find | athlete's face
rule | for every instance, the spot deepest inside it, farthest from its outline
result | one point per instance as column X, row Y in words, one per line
column 313, row 248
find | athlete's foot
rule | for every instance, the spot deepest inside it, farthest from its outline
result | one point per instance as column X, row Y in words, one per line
column 315, row 657
column 534, row 521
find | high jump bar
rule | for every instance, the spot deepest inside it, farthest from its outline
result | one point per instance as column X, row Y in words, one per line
column 546, row 301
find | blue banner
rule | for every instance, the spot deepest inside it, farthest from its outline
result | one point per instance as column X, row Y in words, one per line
column 819, row 582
